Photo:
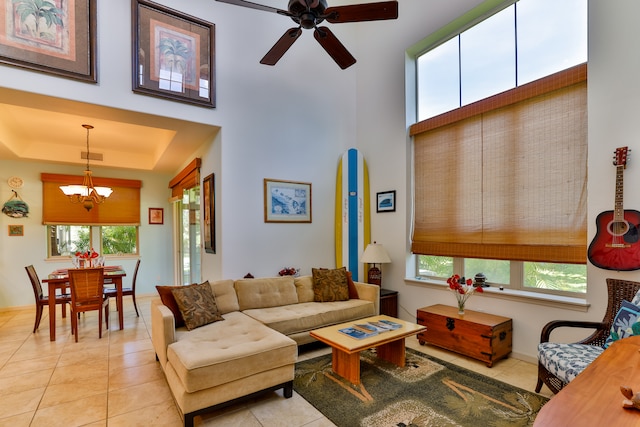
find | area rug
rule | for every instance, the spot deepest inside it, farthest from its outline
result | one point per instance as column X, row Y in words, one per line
column 426, row 392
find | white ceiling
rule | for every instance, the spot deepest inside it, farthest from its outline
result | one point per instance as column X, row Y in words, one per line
column 45, row 129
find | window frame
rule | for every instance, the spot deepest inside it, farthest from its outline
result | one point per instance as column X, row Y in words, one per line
column 95, row 239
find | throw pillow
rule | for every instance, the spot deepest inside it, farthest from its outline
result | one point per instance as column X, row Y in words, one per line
column 625, row 323
column 169, row 300
column 353, row 291
column 330, row 285
column 197, row 305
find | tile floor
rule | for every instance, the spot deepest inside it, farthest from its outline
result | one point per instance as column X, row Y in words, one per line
column 116, row 380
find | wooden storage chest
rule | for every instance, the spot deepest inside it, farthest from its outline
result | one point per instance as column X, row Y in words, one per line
column 482, row 336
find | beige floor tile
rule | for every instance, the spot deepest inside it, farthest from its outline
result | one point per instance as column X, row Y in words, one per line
column 240, row 417
column 276, row 411
column 21, row 402
column 57, row 394
column 135, row 375
column 79, row 412
column 20, row 420
column 137, row 397
column 129, row 360
column 23, row 382
column 163, row 414
column 20, row 367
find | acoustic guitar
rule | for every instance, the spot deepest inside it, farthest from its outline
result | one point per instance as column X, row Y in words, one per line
column 615, row 245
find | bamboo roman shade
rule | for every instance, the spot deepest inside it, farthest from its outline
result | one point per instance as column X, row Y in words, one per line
column 122, row 207
column 188, row 178
column 507, row 178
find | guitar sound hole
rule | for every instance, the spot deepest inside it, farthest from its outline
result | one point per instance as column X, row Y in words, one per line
column 618, row 228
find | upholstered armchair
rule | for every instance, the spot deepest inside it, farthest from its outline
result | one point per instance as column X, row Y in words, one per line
column 559, row 363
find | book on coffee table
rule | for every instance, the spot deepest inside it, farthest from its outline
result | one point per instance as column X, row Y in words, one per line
column 389, row 323
column 357, row 333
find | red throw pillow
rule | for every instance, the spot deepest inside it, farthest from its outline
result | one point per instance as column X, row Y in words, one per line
column 170, row 301
column 353, row 291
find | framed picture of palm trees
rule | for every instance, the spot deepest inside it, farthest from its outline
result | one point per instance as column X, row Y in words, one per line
column 55, row 36
column 172, row 54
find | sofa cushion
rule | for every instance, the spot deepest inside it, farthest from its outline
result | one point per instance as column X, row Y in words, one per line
column 197, row 305
column 330, row 285
column 303, row 317
column 226, row 297
column 304, row 288
column 170, row 301
column 222, row 352
column 265, row 292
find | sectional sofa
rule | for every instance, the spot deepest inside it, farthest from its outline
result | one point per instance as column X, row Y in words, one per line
column 253, row 346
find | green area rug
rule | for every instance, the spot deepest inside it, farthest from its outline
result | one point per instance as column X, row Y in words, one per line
column 426, row 392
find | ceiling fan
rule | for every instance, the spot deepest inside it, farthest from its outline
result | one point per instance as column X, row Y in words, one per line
column 309, row 13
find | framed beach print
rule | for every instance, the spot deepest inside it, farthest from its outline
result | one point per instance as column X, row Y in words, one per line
column 287, row 201
column 386, row 201
column 209, row 203
column 56, row 37
column 156, row 216
column 173, row 54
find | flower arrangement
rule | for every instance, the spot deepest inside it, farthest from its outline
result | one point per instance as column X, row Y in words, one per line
column 462, row 289
column 289, row 271
column 85, row 258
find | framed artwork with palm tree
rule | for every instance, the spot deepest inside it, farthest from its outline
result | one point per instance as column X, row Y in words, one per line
column 172, row 54
column 52, row 36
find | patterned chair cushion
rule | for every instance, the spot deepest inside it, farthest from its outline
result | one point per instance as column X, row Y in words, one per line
column 566, row 361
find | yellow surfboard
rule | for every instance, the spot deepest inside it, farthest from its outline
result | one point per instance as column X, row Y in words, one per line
column 353, row 213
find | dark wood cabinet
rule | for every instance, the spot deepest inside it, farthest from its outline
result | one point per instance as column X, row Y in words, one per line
column 482, row 336
column 389, row 302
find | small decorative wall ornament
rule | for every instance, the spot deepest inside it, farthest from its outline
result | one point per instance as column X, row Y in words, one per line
column 15, row 207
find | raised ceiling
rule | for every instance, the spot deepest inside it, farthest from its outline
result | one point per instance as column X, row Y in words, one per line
column 39, row 128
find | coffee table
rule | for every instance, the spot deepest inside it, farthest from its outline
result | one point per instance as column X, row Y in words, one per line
column 346, row 350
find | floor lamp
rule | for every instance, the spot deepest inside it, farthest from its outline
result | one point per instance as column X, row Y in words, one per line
column 375, row 254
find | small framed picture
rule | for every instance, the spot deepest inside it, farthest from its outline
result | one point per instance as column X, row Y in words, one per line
column 156, row 216
column 386, row 201
column 16, row 230
column 209, row 202
column 287, row 201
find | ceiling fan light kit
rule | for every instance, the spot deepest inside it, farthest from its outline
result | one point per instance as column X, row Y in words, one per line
column 309, row 14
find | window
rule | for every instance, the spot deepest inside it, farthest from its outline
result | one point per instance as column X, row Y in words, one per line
column 486, row 188
column 522, row 43
column 66, row 240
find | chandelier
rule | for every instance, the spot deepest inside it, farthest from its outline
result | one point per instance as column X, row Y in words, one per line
column 86, row 193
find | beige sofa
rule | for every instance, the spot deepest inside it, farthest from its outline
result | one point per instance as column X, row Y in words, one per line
column 255, row 348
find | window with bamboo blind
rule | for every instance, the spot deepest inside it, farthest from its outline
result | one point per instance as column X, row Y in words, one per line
column 505, row 178
column 122, row 207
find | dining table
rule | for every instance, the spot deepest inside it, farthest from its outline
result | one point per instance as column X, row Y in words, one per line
column 59, row 279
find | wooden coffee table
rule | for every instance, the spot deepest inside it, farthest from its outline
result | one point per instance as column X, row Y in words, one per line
column 346, row 350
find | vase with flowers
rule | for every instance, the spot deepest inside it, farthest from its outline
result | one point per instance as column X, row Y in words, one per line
column 462, row 290
column 85, row 259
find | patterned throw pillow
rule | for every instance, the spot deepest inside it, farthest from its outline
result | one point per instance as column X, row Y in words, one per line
column 625, row 323
column 330, row 285
column 170, row 301
column 197, row 305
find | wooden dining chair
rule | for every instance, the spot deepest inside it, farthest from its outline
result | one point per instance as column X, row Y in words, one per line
column 111, row 292
column 42, row 300
column 87, row 295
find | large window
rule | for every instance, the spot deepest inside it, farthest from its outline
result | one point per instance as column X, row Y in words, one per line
column 114, row 240
column 522, row 43
column 488, row 193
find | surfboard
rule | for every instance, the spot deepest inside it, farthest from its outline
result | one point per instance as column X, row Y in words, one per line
column 353, row 213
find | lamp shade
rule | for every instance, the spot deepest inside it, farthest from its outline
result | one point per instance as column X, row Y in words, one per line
column 375, row 254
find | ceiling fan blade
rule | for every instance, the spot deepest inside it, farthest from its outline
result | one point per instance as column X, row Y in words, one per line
column 255, row 6
column 281, row 46
column 334, row 48
column 362, row 12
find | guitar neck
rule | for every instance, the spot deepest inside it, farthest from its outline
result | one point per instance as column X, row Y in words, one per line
column 618, row 211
